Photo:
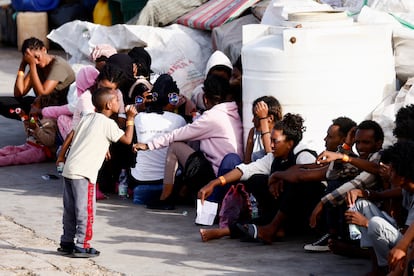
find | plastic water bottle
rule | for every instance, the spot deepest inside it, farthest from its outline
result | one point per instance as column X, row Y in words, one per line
column 255, row 209
column 354, row 232
column 123, row 184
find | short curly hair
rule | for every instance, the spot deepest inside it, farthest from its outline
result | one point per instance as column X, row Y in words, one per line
column 404, row 123
column 401, row 157
column 292, row 127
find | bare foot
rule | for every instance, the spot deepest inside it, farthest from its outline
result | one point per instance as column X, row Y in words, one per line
column 214, row 233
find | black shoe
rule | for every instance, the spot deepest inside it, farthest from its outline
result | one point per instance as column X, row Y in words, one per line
column 79, row 252
column 161, row 205
column 320, row 245
column 66, row 248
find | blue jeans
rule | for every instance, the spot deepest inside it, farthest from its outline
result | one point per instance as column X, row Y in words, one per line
column 229, row 162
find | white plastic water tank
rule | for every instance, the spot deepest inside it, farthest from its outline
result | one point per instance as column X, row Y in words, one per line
column 321, row 71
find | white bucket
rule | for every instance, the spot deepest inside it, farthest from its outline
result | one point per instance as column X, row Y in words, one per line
column 319, row 72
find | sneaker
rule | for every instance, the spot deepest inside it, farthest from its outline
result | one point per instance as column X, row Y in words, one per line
column 66, row 248
column 79, row 252
column 320, row 245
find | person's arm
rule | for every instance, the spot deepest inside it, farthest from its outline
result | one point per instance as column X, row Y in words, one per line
column 129, row 130
column 299, row 173
column 22, row 84
column 231, row 176
column 371, row 166
column 65, row 147
column 262, row 111
column 249, row 147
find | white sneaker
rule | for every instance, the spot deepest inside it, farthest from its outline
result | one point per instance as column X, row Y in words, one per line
column 320, row 245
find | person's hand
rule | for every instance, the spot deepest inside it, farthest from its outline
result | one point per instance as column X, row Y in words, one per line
column 328, row 156
column 131, row 111
column 385, row 171
column 275, row 186
column 396, row 257
column 139, row 146
column 316, row 214
column 352, row 196
column 60, row 159
column 354, row 217
column 204, row 192
column 28, row 57
column 261, row 110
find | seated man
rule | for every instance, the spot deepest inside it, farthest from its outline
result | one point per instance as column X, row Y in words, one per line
column 378, row 229
column 363, row 173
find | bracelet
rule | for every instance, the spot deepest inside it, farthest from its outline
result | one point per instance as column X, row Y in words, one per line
column 368, row 193
column 20, row 73
column 222, row 180
column 129, row 123
column 263, row 118
column 345, row 158
column 264, row 133
column 345, row 146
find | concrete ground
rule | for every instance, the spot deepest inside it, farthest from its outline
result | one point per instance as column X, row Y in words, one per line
column 132, row 239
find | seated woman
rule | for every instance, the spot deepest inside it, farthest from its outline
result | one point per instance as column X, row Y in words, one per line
column 50, row 77
column 218, row 129
column 285, row 136
column 149, row 124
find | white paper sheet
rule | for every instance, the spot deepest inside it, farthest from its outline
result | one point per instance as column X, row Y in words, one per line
column 206, row 212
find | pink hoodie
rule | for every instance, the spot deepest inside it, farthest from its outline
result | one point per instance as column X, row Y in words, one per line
column 219, row 131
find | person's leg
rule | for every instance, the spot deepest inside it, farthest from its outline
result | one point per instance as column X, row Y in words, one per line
column 267, row 204
column 55, row 111
column 178, row 153
column 22, row 154
column 229, row 162
column 64, row 123
column 29, row 155
column 384, row 236
column 68, row 219
column 84, row 204
column 370, row 210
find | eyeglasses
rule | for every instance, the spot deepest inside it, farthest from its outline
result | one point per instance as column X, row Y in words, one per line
column 173, row 98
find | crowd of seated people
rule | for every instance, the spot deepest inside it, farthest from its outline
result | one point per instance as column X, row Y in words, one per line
column 186, row 157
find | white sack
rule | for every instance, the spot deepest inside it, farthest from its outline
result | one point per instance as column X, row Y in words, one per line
column 175, row 49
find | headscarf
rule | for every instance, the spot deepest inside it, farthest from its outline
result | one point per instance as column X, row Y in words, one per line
column 85, row 78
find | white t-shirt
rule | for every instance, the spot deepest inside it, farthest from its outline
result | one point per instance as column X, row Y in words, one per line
column 91, row 141
column 150, row 164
